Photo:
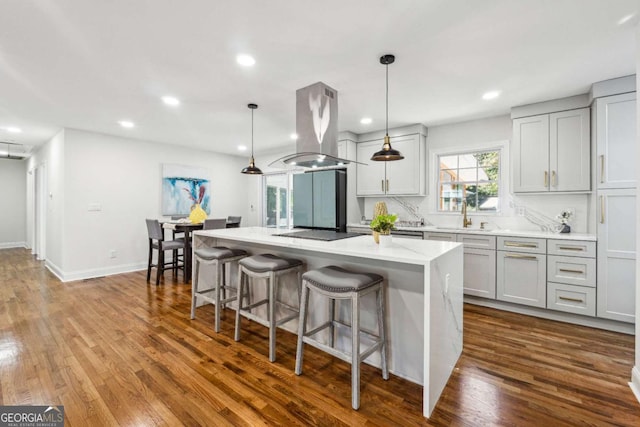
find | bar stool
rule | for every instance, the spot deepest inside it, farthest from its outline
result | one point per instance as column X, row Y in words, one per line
column 219, row 257
column 338, row 283
column 269, row 267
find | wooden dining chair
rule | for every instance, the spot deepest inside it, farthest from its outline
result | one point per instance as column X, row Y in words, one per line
column 157, row 242
column 212, row 224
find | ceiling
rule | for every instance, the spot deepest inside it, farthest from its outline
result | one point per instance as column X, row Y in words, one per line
column 88, row 64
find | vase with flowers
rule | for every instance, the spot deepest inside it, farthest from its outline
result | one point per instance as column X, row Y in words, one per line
column 382, row 224
column 564, row 218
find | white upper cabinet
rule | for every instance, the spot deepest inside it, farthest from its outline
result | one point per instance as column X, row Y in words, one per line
column 370, row 177
column 551, row 152
column 405, row 177
column 531, row 154
column 616, row 141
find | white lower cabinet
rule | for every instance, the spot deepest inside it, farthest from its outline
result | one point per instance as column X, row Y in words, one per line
column 521, row 278
column 617, row 254
column 571, row 298
column 522, row 271
column 479, row 265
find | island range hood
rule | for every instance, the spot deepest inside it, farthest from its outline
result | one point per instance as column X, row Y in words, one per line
column 317, row 129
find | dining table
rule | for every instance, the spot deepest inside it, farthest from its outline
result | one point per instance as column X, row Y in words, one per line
column 187, row 228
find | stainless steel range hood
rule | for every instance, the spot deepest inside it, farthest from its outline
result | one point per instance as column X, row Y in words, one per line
column 317, row 129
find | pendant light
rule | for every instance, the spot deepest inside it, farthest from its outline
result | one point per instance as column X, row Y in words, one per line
column 252, row 169
column 387, row 153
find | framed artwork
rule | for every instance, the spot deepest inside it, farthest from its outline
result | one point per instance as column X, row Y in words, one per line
column 183, row 187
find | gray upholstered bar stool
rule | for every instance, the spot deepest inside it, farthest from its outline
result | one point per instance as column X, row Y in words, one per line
column 219, row 257
column 269, row 267
column 338, row 283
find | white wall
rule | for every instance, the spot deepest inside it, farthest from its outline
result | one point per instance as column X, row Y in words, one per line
column 472, row 135
column 123, row 176
column 13, row 190
column 635, row 374
column 50, row 158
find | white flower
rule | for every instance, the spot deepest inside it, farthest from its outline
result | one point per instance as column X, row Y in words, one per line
column 564, row 216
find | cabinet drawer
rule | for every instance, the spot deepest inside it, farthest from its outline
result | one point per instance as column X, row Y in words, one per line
column 571, row 270
column 571, row 248
column 522, row 244
column 477, row 241
column 445, row 237
column 572, row 299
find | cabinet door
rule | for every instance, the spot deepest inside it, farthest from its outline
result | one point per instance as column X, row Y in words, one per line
column 530, row 165
column 616, row 141
column 324, row 199
column 616, row 254
column 569, row 151
column 404, row 176
column 521, row 278
column 370, row 177
column 480, row 272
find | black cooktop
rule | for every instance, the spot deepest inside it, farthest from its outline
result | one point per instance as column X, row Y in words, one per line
column 326, row 235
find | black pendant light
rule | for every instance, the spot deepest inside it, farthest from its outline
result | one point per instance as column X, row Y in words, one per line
column 252, row 169
column 387, row 153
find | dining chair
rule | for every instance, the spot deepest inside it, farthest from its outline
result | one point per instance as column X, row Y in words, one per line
column 157, row 242
column 234, row 221
column 211, row 224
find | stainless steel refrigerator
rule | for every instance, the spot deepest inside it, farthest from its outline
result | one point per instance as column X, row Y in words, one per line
column 320, row 200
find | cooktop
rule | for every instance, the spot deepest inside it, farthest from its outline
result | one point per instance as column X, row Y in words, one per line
column 326, row 235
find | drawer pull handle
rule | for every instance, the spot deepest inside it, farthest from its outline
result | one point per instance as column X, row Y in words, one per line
column 521, row 245
column 601, row 209
column 565, row 270
column 571, row 299
column 571, row 248
column 521, row 256
column 602, row 169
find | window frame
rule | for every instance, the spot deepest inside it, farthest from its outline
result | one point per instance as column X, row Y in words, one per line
column 502, row 147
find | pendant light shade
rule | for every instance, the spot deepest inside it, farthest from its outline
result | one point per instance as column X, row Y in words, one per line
column 387, row 153
column 252, row 169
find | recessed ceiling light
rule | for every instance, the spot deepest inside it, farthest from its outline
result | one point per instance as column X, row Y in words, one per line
column 246, row 60
column 242, row 148
column 366, row 120
column 126, row 124
column 314, row 166
column 491, row 95
column 170, row 100
column 294, row 136
column 13, row 129
column 626, row 19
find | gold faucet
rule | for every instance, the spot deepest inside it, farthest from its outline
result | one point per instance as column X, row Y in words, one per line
column 465, row 221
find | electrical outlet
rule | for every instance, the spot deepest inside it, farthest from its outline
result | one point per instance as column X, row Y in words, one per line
column 521, row 211
column 113, row 253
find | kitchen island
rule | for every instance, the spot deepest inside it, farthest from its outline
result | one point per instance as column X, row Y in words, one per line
column 423, row 281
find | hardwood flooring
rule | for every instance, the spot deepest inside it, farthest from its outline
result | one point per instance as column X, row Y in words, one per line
column 119, row 351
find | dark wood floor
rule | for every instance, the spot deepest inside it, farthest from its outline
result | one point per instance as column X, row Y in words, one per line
column 116, row 351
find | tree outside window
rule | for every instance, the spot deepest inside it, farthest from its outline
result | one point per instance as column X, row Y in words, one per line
column 474, row 177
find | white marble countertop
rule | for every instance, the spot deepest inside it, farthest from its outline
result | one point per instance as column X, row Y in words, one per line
column 408, row 251
column 494, row 232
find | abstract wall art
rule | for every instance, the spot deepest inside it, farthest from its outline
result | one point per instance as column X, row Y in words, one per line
column 183, row 187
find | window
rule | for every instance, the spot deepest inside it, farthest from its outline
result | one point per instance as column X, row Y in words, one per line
column 277, row 196
column 473, row 177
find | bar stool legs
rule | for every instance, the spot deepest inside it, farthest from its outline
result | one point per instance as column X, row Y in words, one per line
column 218, row 257
column 337, row 283
column 269, row 267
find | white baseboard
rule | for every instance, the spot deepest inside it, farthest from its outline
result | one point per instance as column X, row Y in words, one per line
column 576, row 319
column 10, row 245
column 93, row 273
column 635, row 382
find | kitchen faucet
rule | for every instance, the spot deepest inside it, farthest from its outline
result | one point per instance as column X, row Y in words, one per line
column 465, row 221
